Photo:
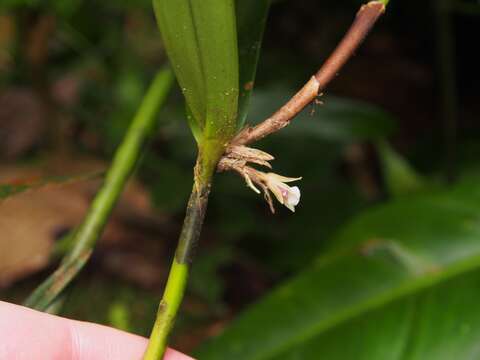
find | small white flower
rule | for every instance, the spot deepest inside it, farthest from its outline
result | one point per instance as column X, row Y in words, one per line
column 286, row 195
column 271, row 182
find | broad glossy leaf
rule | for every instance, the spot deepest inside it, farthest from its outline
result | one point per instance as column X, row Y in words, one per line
column 400, row 282
column 441, row 323
column 201, row 41
column 337, row 119
column 251, row 20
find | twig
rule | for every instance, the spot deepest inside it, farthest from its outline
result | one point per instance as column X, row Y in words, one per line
column 364, row 21
column 123, row 164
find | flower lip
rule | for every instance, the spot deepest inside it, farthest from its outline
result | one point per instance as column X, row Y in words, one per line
column 286, row 195
column 293, row 198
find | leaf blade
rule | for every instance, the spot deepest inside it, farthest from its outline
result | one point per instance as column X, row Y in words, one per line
column 362, row 273
column 217, row 43
column 251, row 20
column 201, row 41
column 177, row 27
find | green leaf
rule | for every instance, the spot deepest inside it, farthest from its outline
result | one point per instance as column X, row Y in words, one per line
column 401, row 282
column 201, row 41
column 194, row 126
column 251, row 20
column 179, row 35
column 337, row 119
column 400, row 177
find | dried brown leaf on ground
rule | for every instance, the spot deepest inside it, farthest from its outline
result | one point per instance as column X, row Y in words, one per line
column 29, row 224
column 31, row 221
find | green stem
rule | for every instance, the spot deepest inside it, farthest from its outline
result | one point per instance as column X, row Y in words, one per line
column 167, row 310
column 123, row 164
column 192, row 226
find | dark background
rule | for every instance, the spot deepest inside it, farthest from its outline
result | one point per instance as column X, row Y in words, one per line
column 72, row 75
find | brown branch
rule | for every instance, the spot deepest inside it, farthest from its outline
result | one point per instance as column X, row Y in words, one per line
column 364, row 21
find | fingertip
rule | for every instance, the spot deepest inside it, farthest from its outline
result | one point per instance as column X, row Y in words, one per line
column 102, row 343
column 25, row 333
column 175, row 355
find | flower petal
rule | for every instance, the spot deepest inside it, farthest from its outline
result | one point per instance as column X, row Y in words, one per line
column 293, row 198
column 280, row 178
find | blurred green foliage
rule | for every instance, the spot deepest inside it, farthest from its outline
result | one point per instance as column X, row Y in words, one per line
column 396, row 283
column 382, row 283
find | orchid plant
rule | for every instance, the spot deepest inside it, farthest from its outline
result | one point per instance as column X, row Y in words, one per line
column 213, row 47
